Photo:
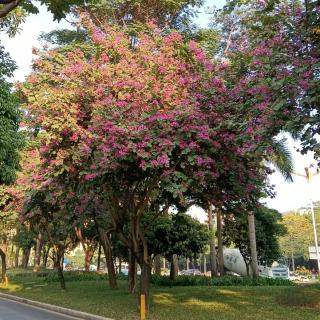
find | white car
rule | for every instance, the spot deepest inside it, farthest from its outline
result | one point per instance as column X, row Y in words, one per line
column 93, row 267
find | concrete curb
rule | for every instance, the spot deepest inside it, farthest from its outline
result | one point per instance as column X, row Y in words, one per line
column 50, row 307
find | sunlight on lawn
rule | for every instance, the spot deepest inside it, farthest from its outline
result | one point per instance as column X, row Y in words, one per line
column 171, row 300
column 230, row 292
column 11, row 288
column 205, row 305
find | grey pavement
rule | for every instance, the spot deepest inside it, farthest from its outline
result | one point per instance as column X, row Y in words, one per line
column 11, row 310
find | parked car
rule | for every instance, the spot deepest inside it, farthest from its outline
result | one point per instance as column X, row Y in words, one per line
column 125, row 269
column 191, row 272
column 93, row 267
column 125, row 272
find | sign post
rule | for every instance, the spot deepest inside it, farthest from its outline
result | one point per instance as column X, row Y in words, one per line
column 142, row 307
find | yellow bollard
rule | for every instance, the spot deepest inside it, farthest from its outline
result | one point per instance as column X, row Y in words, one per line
column 6, row 281
column 142, row 307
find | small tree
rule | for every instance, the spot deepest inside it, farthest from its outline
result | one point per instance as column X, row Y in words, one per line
column 43, row 210
column 8, row 223
column 299, row 237
column 176, row 234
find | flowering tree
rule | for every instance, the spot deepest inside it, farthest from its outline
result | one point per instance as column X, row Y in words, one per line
column 283, row 36
column 11, row 203
column 272, row 50
column 146, row 117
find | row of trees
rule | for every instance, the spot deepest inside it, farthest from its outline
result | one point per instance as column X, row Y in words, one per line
column 295, row 244
column 126, row 118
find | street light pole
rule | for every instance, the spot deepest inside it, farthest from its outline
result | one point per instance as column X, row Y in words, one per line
column 315, row 235
column 292, row 254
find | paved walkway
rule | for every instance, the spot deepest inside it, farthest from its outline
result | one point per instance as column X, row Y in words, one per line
column 11, row 310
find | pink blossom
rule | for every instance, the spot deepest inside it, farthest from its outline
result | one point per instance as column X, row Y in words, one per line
column 154, row 162
column 304, row 84
column 261, row 106
column 142, row 164
column 74, row 137
column 193, row 45
column 262, row 51
column 90, row 176
column 163, row 160
column 75, row 69
column 250, row 188
column 249, row 130
column 98, row 37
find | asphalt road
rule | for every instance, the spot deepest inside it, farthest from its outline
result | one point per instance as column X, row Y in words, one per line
column 11, row 310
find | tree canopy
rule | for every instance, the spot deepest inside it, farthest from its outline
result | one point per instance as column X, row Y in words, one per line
column 299, row 236
column 269, row 227
column 10, row 138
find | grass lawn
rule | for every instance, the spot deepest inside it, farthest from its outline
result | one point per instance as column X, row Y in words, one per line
column 177, row 303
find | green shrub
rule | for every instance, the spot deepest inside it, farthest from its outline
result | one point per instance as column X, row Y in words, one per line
column 221, row 281
column 189, row 281
column 52, row 276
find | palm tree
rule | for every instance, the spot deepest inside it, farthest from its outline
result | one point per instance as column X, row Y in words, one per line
column 213, row 261
column 281, row 159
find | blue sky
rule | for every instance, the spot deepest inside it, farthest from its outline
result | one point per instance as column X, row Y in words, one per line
column 289, row 196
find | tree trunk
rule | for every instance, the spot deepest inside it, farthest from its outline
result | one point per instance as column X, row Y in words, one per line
column 132, row 272
column 37, row 253
column 111, row 270
column 247, row 267
column 157, row 265
column 253, row 245
column 58, row 264
column 220, row 243
column 120, row 265
column 106, row 245
column 145, row 282
column 88, row 254
column 16, row 258
column 3, row 266
column 88, row 248
column 61, row 277
column 45, row 256
column 25, row 257
column 11, row 257
column 213, row 259
column 99, row 256
column 174, row 268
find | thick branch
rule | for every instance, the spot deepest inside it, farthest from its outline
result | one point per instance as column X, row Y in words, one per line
column 6, row 1
column 8, row 6
column 80, row 238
